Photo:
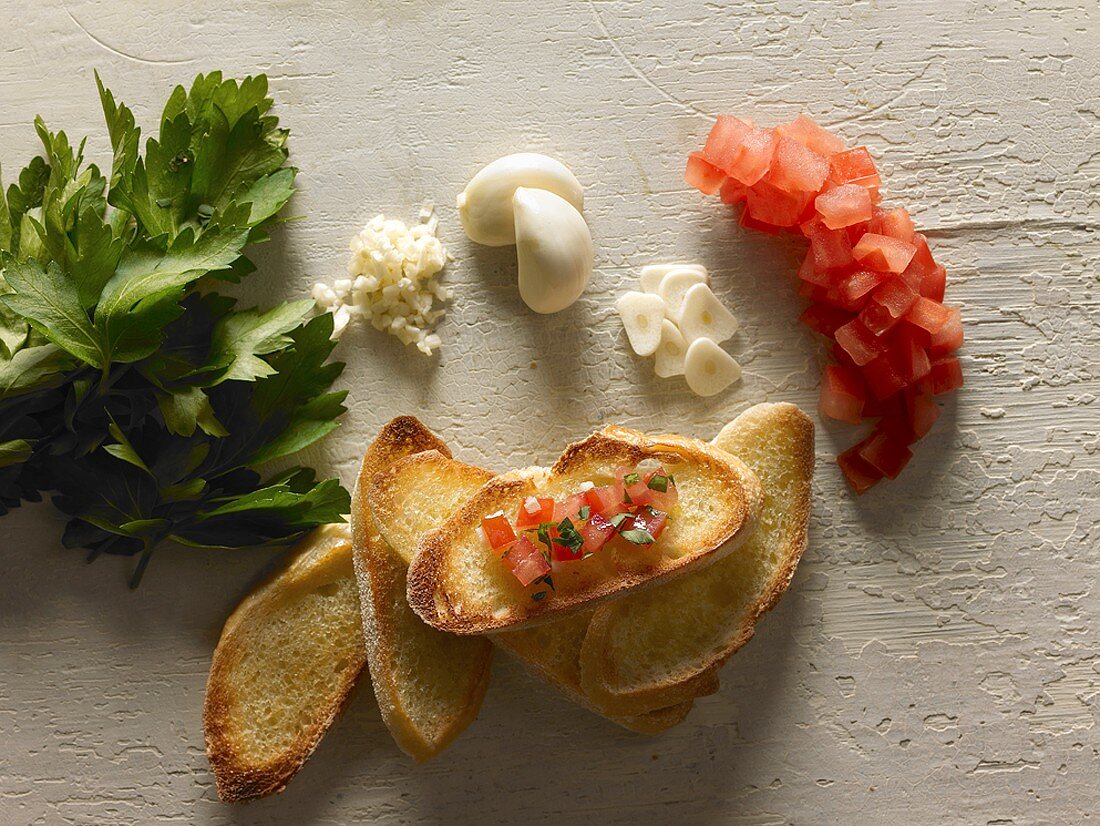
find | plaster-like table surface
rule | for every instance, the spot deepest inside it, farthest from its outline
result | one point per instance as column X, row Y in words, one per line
column 935, row 660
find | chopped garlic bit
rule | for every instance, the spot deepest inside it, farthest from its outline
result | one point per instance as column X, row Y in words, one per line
column 392, row 281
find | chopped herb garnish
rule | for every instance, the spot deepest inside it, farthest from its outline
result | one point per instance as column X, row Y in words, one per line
column 638, row 536
column 570, row 538
column 631, row 479
column 538, row 596
column 619, row 518
column 659, row 482
column 585, row 512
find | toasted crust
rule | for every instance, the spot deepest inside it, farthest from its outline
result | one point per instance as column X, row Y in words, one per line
column 319, row 560
column 389, row 626
column 789, row 427
column 437, row 597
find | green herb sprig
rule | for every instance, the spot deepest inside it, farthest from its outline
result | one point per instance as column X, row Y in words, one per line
column 144, row 401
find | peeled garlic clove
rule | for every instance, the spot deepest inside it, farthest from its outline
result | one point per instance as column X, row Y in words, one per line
column 652, row 274
column 702, row 315
column 642, row 315
column 673, row 288
column 669, row 357
column 485, row 206
column 708, row 368
column 554, row 248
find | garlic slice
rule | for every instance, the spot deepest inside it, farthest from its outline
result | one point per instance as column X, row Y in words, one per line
column 642, row 315
column 554, row 249
column 485, row 205
column 702, row 315
column 708, row 368
column 674, row 287
column 652, row 274
column 669, row 357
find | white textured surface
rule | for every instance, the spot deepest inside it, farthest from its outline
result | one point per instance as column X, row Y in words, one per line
column 936, row 659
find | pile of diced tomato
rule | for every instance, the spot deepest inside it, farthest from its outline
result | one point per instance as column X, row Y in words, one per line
column 875, row 291
column 547, row 531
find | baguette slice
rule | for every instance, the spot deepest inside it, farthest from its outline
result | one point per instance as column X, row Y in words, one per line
column 429, row 685
column 645, row 644
column 284, row 667
column 417, row 493
column 457, row 584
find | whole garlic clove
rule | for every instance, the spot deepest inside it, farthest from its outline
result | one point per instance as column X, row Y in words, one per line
column 652, row 274
column 554, row 248
column 642, row 315
column 708, row 368
column 670, row 354
column 674, row 287
column 702, row 315
column 485, row 206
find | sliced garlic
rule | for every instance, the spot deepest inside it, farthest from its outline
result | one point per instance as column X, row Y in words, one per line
column 485, row 206
column 669, row 357
column 702, row 315
column 708, row 368
column 674, row 286
column 554, row 248
column 652, row 274
column 642, row 315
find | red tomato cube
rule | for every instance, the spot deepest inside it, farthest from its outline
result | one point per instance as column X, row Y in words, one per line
column 886, row 453
column 922, row 263
column 533, row 511
column 702, row 175
column 605, row 499
column 934, row 285
column 824, row 319
column 812, row 136
column 858, row 286
column 854, row 167
column 877, row 318
column 748, row 222
column 946, row 375
column 860, row 473
column 950, row 336
column 831, row 248
column 774, row 206
column 733, row 192
column 882, row 377
column 596, row 532
column 883, row 253
column 569, row 507
column 921, row 410
column 649, row 519
column 843, row 206
column 662, row 500
column 725, row 139
column 859, row 342
column 896, row 296
column 909, row 357
column 498, row 530
column 842, row 394
column 795, row 168
column 809, row 273
column 753, row 156
column 927, row 314
column 896, row 223
column 526, row 561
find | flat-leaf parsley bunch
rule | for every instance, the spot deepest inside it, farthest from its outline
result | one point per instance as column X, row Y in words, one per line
column 130, row 389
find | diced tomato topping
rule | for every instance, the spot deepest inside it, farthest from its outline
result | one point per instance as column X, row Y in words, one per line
column 909, row 356
column 886, row 453
column 569, row 507
column 946, row 374
column 895, row 222
column 752, row 158
column 725, row 139
column 877, row 318
column 733, row 192
column 663, row 500
column 797, row 168
column 858, row 342
column 934, row 285
column 812, row 136
column 842, row 394
column 605, row 499
column 854, row 167
column 922, row 264
column 526, row 561
column 748, row 222
column 950, row 337
column 859, row 284
column 883, row 253
column 883, row 377
column 843, row 206
column 702, row 175
column 860, row 473
column 498, row 531
column 533, row 511
column 596, row 532
column 823, row 319
column 636, row 492
column 809, row 273
column 895, row 296
column 771, row 205
column 649, row 519
column 921, row 410
column 832, row 249
column 927, row 314
column 560, row 552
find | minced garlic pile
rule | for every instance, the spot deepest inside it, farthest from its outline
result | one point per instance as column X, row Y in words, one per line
column 391, row 281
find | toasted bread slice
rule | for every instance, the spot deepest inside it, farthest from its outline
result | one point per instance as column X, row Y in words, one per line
column 429, row 685
column 457, row 584
column 642, row 646
column 415, row 494
column 284, row 667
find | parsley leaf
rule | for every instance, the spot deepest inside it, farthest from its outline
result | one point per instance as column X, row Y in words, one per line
column 638, row 536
